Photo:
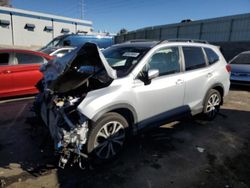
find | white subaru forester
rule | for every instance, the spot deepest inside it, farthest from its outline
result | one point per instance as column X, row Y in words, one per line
column 91, row 100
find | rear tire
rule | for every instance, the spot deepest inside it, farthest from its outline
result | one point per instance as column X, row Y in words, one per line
column 107, row 137
column 212, row 104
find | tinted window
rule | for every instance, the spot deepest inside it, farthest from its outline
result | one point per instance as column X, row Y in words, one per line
column 211, row 56
column 166, row 61
column 28, row 59
column 4, row 58
column 194, row 58
column 242, row 59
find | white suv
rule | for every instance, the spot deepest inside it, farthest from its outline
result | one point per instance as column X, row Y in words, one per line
column 92, row 100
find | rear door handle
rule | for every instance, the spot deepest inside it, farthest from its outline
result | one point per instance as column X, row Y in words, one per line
column 179, row 82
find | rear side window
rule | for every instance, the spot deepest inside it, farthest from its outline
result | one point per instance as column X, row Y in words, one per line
column 4, row 58
column 194, row 58
column 242, row 59
column 211, row 56
column 28, row 59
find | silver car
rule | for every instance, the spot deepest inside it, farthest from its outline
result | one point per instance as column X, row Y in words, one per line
column 92, row 100
column 240, row 65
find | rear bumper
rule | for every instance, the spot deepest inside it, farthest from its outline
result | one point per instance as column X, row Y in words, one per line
column 243, row 79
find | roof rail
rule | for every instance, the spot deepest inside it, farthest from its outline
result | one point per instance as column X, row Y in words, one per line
column 185, row 40
column 140, row 40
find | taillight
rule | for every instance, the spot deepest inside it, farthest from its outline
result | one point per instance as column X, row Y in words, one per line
column 228, row 67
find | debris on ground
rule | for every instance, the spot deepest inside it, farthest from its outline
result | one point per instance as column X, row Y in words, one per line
column 200, row 149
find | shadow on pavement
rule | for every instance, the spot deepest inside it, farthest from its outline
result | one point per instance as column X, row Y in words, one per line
column 238, row 87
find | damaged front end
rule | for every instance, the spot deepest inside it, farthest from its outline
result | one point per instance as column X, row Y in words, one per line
column 67, row 126
column 66, row 83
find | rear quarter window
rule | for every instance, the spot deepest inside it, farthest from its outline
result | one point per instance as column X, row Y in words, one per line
column 194, row 58
column 211, row 56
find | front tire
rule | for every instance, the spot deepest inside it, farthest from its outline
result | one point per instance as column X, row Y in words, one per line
column 212, row 104
column 107, row 137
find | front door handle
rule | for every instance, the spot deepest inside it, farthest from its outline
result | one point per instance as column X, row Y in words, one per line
column 179, row 82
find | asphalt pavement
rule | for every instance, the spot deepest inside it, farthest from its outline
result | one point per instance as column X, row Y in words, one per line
column 188, row 153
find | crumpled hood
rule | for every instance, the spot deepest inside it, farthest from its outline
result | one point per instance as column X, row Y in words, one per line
column 73, row 69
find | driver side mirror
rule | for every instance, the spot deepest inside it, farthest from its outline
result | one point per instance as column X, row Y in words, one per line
column 153, row 73
column 147, row 76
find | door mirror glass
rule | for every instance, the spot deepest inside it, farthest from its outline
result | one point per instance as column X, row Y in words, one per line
column 153, row 73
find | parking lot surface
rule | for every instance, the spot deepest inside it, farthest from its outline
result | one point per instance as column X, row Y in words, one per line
column 189, row 153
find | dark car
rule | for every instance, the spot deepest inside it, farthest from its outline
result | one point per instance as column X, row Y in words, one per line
column 75, row 40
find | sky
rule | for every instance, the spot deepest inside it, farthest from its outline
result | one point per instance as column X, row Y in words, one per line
column 113, row 15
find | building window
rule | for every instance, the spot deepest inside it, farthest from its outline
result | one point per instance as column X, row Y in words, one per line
column 4, row 23
column 65, row 30
column 29, row 27
column 81, row 31
column 48, row 28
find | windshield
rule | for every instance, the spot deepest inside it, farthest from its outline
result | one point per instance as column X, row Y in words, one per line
column 242, row 59
column 101, row 42
column 54, row 42
column 124, row 59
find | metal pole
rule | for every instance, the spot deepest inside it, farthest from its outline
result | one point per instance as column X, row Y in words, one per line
column 82, row 8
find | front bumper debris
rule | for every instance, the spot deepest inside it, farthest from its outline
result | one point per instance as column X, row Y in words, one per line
column 67, row 127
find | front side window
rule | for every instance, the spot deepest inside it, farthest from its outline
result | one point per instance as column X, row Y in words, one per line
column 4, row 58
column 242, row 59
column 166, row 61
column 123, row 59
column 23, row 58
column 211, row 56
column 194, row 58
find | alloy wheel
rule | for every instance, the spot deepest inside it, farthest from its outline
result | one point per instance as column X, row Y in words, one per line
column 109, row 140
column 213, row 105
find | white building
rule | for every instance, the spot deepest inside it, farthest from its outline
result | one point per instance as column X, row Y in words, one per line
column 23, row 28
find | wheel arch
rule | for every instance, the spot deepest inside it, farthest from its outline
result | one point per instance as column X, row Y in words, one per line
column 126, row 110
column 219, row 87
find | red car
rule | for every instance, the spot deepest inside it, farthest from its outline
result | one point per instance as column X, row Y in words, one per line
column 19, row 71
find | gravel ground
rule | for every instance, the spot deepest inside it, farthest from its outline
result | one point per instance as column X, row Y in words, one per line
column 189, row 153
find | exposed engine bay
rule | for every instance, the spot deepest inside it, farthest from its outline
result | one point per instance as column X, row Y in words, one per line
column 66, row 82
